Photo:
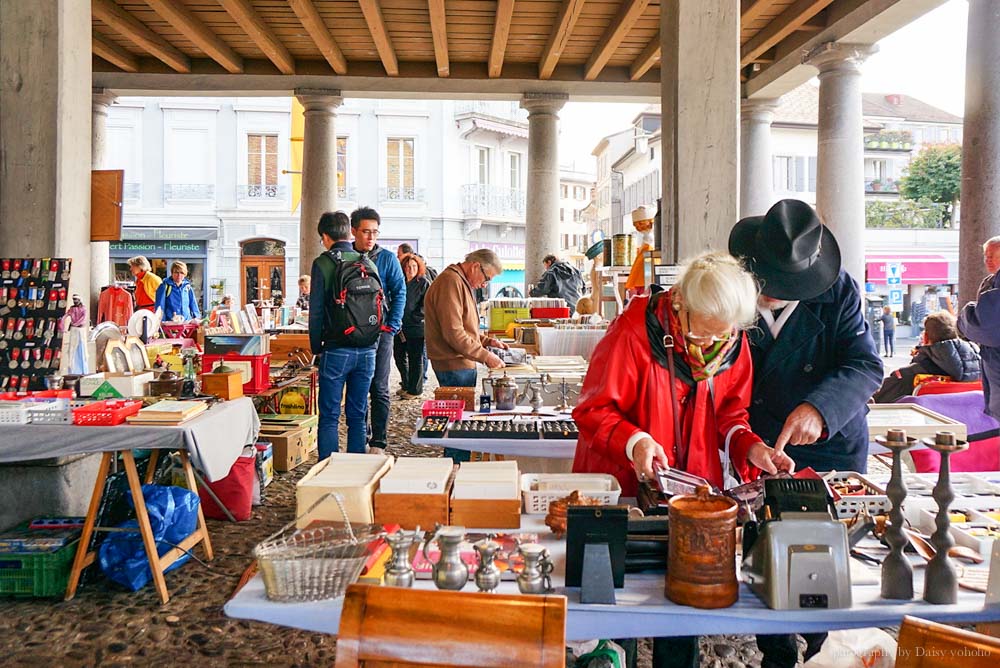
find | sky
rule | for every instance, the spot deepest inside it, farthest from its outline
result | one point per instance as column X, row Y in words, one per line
column 925, row 60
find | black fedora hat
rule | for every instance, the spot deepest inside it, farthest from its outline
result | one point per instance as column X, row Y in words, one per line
column 789, row 249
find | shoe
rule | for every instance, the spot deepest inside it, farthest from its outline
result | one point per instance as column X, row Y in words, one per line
column 375, row 451
column 401, row 393
column 407, row 396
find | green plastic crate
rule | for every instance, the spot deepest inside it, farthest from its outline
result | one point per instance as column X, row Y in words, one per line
column 36, row 574
column 501, row 317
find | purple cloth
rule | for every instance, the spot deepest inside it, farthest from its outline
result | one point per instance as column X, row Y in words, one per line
column 965, row 407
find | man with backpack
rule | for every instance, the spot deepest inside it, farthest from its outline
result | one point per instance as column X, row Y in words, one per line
column 365, row 223
column 346, row 319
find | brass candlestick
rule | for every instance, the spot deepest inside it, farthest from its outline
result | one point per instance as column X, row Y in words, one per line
column 897, row 573
column 940, row 581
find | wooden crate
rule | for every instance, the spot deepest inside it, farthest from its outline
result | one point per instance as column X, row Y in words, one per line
column 413, row 510
column 486, row 513
column 225, row 385
column 466, row 394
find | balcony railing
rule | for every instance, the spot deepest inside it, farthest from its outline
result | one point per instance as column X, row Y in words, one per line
column 347, row 193
column 481, row 201
column 268, row 192
column 132, row 192
column 401, row 194
column 498, row 109
column 881, row 186
column 189, row 191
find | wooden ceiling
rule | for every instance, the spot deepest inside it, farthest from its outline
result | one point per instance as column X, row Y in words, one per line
column 582, row 40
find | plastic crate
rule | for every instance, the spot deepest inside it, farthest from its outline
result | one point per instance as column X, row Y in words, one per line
column 449, row 408
column 595, row 485
column 260, row 369
column 40, row 394
column 501, row 317
column 36, row 573
column 15, row 412
column 848, row 506
column 106, row 413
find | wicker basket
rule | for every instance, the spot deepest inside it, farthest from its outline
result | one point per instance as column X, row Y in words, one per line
column 314, row 564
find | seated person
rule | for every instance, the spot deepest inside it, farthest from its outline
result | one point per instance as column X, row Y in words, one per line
column 940, row 353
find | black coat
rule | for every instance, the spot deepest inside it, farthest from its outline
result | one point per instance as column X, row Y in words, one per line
column 413, row 314
column 955, row 358
column 824, row 356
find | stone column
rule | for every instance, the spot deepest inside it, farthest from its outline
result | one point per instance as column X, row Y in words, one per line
column 541, row 217
column 100, row 261
column 45, row 73
column 756, row 159
column 840, row 177
column 981, row 145
column 319, row 168
column 699, row 84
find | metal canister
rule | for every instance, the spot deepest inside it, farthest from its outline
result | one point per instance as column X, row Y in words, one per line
column 607, row 252
column 701, row 567
column 621, row 250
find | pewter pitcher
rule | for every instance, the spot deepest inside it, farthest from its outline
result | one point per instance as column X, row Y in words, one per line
column 487, row 572
column 504, row 392
column 534, row 578
column 400, row 571
column 449, row 572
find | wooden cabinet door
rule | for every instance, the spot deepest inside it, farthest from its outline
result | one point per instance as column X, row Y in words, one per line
column 107, row 188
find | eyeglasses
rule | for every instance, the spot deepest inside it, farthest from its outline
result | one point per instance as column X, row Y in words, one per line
column 486, row 276
column 700, row 339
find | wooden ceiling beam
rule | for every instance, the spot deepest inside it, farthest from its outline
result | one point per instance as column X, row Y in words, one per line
column 261, row 35
column 380, row 34
column 788, row 22
column 817, row 24
column 119, row 20
column 439, row 31
column 314, row 25
column 114, row 54
column 628, row 14
column 649, row 57
column 752, row 9
column 181, row 18
column 501, row 31
column 562, row 29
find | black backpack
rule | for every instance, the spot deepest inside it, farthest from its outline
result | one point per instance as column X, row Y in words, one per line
column 355, row 305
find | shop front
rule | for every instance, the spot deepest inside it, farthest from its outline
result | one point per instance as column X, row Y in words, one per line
column 161, row 246
column 899, row 280
column 512, row 258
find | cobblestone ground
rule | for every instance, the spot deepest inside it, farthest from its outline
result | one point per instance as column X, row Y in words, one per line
column 108, row 626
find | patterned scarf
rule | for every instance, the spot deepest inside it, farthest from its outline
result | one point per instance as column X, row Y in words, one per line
column 703, row 362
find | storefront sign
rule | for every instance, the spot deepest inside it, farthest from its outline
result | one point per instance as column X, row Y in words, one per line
column 158, row 248
column 170, row 233
column 511, row 255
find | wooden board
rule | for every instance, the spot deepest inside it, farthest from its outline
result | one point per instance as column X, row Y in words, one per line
column 916, row 420
column 486, row 513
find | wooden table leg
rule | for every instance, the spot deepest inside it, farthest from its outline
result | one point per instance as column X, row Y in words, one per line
column 154, row 457
column 193, row 485
column 145, row 529
column 83, row 556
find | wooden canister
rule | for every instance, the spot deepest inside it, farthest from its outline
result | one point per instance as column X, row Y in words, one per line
column 621, row 250
column 701, row 568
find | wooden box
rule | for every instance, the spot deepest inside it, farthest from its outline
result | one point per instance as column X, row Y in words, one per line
column 225, row 385
column 356, row 496
column 486, row 513
column 466, row 394
column 291, row 447
column 412, row 510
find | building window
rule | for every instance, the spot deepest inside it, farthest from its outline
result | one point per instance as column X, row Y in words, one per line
column 652, row 154
column 794, row 173
column 562, row 215
column 399, row 168
column 564, row 191
column 483, row 158
column 341, row 162
column 579, row 192
column 577, row 215
column 515, row 171
column 262, row 165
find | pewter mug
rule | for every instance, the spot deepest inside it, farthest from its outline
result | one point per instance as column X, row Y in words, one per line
column 449, row 572
column 487, row 572
column 400, row 571
column 534, row 578
column 504, row 392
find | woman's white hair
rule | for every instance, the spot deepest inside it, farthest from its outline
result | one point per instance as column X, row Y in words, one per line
column 715, row 284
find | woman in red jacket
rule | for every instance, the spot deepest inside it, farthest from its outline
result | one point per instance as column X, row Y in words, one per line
column 626, row 409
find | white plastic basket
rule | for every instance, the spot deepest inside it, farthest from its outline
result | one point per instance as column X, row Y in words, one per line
column 15, row 412
column 848, row 506
column 538, row 490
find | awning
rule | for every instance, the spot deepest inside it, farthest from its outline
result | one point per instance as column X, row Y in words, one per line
column 913, row 268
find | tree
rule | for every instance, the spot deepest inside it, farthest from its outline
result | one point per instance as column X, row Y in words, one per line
column 935, row 175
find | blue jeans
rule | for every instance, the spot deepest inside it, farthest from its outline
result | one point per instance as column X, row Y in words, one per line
column 338, row 367
column 457, row 378
column 379, row 391
column 888, row 335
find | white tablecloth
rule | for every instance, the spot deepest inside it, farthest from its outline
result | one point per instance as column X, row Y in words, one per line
column 643, row 611
column 214, row 439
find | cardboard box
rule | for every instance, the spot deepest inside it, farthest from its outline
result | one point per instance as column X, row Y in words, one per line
column 357, row 496
column 290, row 447
column 265, row 459
column 486, row 513
column 131, row 384
column 239, row 344
column 225, row 385
column 90, row 383
column 307, row 423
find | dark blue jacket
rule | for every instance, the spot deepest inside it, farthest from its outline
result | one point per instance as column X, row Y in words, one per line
column 979, row 321
column 824, row 356
column 393, row 285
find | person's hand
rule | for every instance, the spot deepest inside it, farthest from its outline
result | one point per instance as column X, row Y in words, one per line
column 769, row 460
column 646, row 452
column 803, row 426
column 494, row 362
column 494, row 342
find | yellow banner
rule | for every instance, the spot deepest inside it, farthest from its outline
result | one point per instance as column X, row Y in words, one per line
column 296, row 137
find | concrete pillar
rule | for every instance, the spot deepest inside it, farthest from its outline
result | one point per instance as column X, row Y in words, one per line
column 756, row 159
column 981, row 145
column 100, row 261
column 840, row 173
column 319, row 168
column 45, row 73
column 699, row 84
column 541, row 216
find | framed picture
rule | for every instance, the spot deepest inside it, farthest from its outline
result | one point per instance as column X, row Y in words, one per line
column 137, row 354
column 117, row 357
column 251, row 312
column 919, row 422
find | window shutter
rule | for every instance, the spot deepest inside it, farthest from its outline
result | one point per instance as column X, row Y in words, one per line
column 812, row 174
column 800, row 174
column 776, row 174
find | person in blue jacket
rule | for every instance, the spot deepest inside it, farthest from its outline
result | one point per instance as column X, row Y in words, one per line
column 815, row 364
column 365, row 223
column 175, row 296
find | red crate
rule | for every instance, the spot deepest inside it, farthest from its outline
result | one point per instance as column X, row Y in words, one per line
column 550, row 312
column 39, row 394
column 260, row 369
column 105, row 413
column 450, row 408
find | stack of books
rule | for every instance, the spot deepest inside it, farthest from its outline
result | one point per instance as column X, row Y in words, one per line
column 168, row 413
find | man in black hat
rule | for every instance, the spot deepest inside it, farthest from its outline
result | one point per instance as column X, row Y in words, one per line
column 815, row 362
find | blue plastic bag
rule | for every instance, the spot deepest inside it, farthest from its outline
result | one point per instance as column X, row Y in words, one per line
column 173, row 515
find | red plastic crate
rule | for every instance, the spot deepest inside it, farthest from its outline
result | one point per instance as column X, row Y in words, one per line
column 105, row 413
column 450, row 408
column 39, row 394
column 550, row 312
column 260, row 369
